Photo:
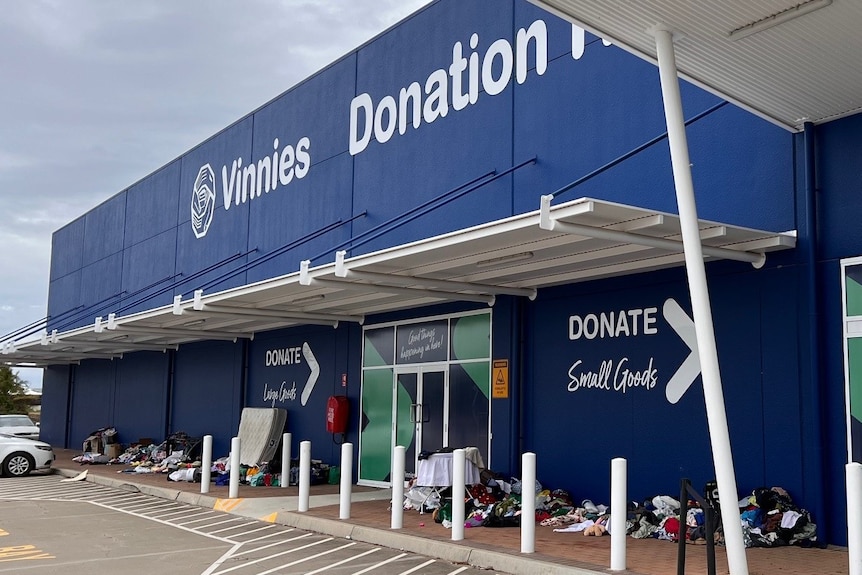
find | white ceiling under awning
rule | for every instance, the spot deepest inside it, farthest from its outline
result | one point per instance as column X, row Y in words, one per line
column 580, row 240
column 790, row 61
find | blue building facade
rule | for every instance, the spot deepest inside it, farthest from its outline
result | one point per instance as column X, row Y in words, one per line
column 451, row 94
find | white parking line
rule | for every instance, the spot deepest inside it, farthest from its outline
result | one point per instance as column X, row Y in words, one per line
column 265, row 527
column 273, row 556
column 456, row 571
column 128, row 497
column 234, row 527
column 185, row 509
column 268, row 545
column 304, row 559
column 417, row 568
column 71, row 493
column 218, row 562
column 145, row 504
column 214, row 524
column 108, row 495
column 156, row 509
column 199, row 520
column 197, row 514
column 266, row 536
column 343, row 561
column 29, row 491
column 381, row 564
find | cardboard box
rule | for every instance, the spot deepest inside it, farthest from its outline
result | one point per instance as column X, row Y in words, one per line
column 113, row 450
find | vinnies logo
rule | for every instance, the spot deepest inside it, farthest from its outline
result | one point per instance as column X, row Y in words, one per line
column 241, row 183
column 203, row 201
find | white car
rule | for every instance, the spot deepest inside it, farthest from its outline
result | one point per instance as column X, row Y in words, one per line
column 19, row 456
column 19, row 425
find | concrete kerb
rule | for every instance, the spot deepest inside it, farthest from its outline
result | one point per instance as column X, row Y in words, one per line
column 196, row 499
column 444, row 550
column 522, row 564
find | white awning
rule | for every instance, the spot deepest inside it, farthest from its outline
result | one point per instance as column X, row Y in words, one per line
column 577, row 241
column 790, row 61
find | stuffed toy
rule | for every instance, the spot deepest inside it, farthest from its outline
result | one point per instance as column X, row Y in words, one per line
column 596, row 530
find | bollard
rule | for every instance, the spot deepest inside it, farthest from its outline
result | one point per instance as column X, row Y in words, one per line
column 854, row 517
column 398, row 459
column 346, row 480
column 304, row 475
column 618, row 514
column 206, row 463
column 233, row 491
column 528, row 503
column 459, row 468
column 285, row 460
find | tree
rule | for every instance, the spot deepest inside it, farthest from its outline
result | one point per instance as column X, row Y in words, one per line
column 11, row 389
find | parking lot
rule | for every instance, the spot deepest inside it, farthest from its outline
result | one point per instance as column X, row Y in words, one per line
column 83, row 528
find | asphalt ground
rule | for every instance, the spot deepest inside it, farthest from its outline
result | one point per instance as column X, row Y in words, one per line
column 81, row 528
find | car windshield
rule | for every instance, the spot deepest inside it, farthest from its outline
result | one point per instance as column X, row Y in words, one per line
column 16, row 421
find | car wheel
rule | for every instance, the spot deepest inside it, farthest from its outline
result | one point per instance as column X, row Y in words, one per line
column 18, row 465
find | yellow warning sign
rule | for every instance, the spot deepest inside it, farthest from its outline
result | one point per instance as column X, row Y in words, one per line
column 500, row 379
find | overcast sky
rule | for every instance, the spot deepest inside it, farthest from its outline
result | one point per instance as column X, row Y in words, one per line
column 96, row 94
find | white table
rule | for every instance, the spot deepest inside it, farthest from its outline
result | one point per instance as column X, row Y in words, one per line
column 436, row 471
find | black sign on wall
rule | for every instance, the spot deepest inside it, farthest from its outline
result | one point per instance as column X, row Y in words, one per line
column 422, row 342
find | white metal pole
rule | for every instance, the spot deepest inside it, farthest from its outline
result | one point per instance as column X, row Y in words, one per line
column 304, row 475
column 206, row 463
column 459, row 468
column 233, row 490
column 528, row 502
column 695, row 269
column 398, row 462
column 285, row 460
column 346, row 480
column 618, row 513
column 854, row 517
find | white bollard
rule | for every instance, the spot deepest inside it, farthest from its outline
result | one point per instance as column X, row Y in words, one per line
column 285, row 460
column 346, row 480
column 304, row 475
column 233, row 492
column 528, row 503
column 854, row 517
column 459, row 468
column 398, row 459
column 618, row 514
column 206, row 463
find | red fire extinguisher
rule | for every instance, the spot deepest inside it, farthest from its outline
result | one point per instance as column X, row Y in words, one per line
column 337, row 411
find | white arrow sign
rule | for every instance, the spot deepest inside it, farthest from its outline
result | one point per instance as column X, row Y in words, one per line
column 312, row 377
column 690, row 368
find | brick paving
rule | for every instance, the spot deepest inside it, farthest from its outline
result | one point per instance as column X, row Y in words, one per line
column 644, row 557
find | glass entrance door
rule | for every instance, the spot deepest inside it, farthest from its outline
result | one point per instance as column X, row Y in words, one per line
column 420, row 411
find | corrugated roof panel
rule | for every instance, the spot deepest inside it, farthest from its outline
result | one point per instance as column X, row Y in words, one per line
column 803, row 69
